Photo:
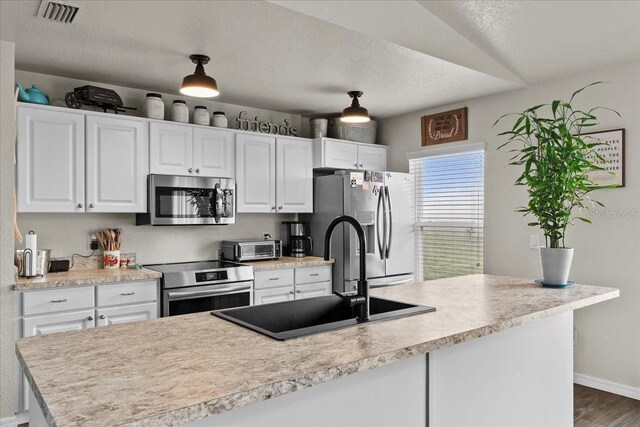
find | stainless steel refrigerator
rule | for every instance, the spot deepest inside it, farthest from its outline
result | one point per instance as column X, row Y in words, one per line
column 383, row 203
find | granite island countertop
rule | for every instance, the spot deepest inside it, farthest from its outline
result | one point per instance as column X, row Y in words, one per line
column 288, row 262
column 85, row 276
column 174, row 370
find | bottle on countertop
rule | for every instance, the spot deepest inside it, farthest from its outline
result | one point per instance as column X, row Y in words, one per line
column 153, row 107
column 179, row 111
column 219, row 120
column 201, row 115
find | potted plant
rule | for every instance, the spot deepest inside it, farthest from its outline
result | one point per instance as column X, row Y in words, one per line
column 557, row 161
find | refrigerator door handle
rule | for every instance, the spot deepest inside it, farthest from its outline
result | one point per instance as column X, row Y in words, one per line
column 381, row 249
column 388, row 240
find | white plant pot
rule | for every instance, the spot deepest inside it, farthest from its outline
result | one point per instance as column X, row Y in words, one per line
column 556, row 264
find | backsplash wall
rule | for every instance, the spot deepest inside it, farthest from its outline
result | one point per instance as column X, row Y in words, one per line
column 66, row 234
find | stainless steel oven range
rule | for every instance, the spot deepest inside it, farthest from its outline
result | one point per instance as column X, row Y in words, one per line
column 192, row 287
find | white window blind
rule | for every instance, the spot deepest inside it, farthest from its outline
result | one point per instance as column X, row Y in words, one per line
column 449, row 211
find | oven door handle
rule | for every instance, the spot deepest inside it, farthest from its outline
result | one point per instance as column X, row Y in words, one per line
column 178, row 295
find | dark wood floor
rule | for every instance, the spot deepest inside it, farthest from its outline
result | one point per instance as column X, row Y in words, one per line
column 596, row 408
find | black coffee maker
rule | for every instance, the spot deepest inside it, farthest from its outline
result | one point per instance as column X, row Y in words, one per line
column 296, row 241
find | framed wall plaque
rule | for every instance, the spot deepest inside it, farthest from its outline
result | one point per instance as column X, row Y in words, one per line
column 448, row 126
column 613, row 153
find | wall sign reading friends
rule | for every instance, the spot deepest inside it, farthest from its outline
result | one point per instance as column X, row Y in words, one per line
column 447, row 126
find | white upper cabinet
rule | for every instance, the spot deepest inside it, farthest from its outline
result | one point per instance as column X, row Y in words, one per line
column 372, row 157
column 339, row 154
column 294, row 175
column 191, row 150
column 50, row 161
column 117, row 164
column 256, row 173
column 213, row 153
column 171, row 149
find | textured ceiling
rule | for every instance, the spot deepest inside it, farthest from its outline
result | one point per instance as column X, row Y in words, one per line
column 302, row 57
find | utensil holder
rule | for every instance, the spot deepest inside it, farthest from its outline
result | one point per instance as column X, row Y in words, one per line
column 111, row 259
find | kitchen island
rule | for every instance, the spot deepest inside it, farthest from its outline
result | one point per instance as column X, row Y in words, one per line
column 494, row 342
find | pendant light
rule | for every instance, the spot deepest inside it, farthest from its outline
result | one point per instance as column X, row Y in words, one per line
column 199, row 84
column 355, row 113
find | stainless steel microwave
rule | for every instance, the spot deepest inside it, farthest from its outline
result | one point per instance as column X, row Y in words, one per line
column 189, row 200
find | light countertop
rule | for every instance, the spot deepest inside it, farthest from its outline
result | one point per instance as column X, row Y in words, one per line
column 87, row 276
column 178, row 369
column 288, row 262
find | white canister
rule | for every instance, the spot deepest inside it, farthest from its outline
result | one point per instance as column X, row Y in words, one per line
column 179, row 111
column 153, row 106
column 201, row 115
column 218, row 119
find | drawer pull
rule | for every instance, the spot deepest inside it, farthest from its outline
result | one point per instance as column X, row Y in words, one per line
column 274, row 278
column 126, row 294
column 314, row 274
column 59, row 300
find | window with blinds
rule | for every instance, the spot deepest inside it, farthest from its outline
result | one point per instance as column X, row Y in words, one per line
column 449, row 212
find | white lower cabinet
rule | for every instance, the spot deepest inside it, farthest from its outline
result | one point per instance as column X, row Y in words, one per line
column 126, row 314
column 288, row 284
column 49, row 311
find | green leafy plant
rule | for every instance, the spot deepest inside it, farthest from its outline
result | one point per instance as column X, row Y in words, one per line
column 557, row 161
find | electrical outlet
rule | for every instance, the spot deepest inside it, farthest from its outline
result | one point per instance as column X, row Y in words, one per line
column 534, row 241
column 92, row 243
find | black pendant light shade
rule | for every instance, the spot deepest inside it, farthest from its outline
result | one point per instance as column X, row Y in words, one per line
column 355, row 113
column 199, row 84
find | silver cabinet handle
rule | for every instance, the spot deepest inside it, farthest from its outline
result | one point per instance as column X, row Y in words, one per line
column 102, row 316
column 92, row 205
column 299, row 292
column 59, row 300
column 274, row 278
column 190, row 170
column 90, row 318
column 126, row 294
column 355, row 164
column 197, row 170
column 219, row 290
column 279, row 208
column 79, row 205
column 314, row 274
column 360, row 164
column 273, row 208
column 291, row 292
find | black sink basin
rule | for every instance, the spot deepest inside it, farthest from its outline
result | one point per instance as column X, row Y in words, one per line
column 292, row 319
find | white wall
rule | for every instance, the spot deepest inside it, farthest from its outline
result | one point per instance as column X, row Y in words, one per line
column 7, row 358
column 607, row 252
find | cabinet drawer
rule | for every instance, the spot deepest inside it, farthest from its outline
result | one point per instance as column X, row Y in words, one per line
column 51, row 301
column 313, row 274
column 127, row 293
column 273, row 278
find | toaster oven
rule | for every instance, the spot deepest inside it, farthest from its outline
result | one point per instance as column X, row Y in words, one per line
column 250, row 250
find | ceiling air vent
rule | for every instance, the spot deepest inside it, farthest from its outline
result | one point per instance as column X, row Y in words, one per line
column 58, row 11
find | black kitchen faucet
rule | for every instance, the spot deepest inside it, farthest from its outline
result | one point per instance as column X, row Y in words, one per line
column 361, row 299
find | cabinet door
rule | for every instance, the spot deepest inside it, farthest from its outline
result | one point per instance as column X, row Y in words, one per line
column 294, row 175
column 170, row 149
column 42, row 325
column 371, row 157
column 117, row 164
column 256, row 173
column 340, row 155
column 268, row 296
column 313, row 290
column 50, row 161
column 213, row 153
column 126, row 314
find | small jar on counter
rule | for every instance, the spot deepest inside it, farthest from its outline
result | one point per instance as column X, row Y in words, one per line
column 201, row 115
column 153, row 106
column 179, row 111
column 218, row 119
